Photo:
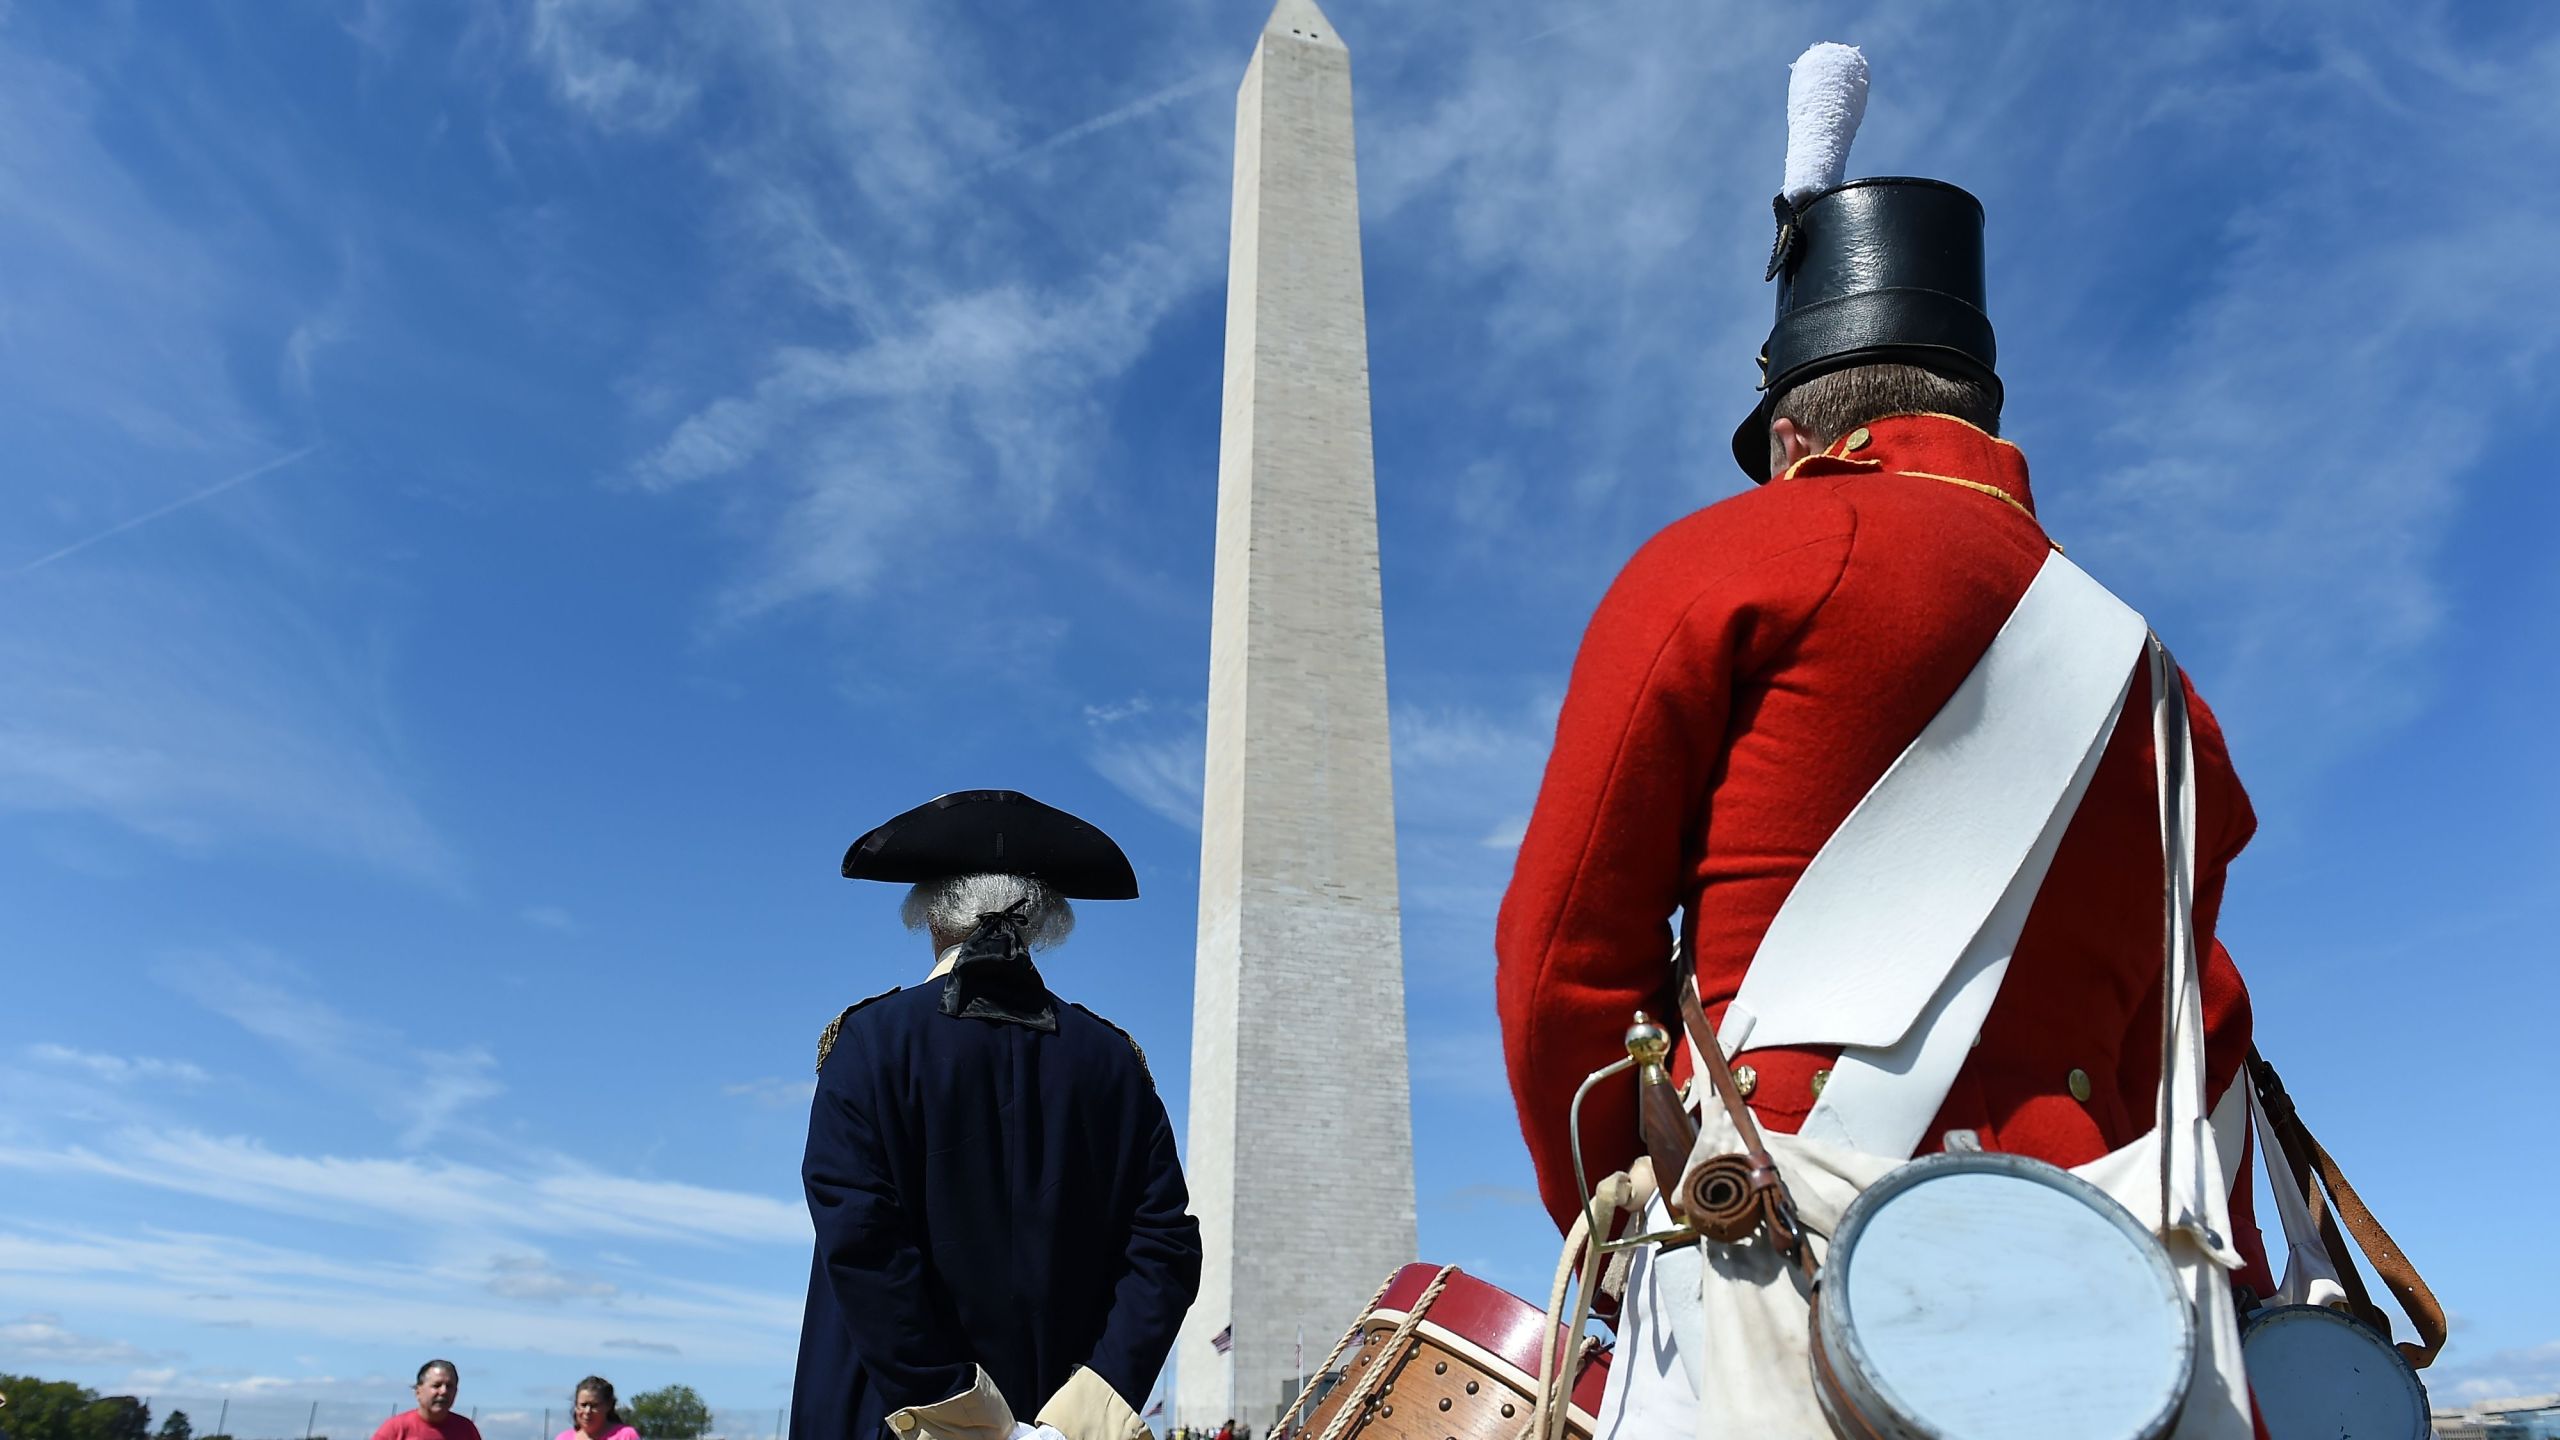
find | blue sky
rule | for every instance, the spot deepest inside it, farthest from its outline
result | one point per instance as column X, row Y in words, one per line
column 494, row 497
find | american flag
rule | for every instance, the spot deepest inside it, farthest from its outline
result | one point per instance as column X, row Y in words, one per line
column 1224, row 1340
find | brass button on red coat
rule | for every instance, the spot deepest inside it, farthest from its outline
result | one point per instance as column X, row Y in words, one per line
column 1821, row 1078
column 1745, row 1080
column 2079, row 1083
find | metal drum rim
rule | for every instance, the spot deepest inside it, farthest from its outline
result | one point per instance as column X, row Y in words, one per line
column 1836, row 1311
column 2265, row 1316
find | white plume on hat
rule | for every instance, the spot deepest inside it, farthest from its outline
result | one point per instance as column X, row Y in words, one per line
column 1826, row 98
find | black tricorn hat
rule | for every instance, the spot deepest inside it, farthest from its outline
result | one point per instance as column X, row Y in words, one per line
column 994, row 832
column 1879, row 271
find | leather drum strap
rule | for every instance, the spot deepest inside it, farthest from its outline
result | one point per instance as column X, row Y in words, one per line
column 2311, row 1160
column 1727, row 1198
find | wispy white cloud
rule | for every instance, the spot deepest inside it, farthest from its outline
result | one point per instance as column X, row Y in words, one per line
column 166, row 670
column 2525, row 1371
column 1165, row 773
column 263, row 995
column 198, row 712
column 553, row 918
column 125, row 335
column 1465, row 776
column 203, row 1279
column 2271, row 455
column 1150, row 752
column 122, row 1069
column 553, row 1196
column 42, row 1337
column 774, row 1092
column 966, row 398
column 1155, row 753
column 580, row 43
column 535, row 1277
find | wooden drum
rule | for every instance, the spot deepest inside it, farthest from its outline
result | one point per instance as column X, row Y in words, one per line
column 1466, row 1367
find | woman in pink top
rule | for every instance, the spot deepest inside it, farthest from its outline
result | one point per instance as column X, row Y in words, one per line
column 438, row 1383
column 594, row 1415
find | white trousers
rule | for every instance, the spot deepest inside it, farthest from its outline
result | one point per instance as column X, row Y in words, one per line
column 1653, row 1375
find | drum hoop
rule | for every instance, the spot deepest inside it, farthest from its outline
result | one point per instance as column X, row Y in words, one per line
column 1828, row 1392
column 1388, row 1320
column 2380, row 1344
column 1853, row 1224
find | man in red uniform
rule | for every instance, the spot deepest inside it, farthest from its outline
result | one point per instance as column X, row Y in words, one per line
column 1757, row 667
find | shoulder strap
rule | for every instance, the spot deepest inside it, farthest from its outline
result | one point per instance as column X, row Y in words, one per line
column 1894, row 941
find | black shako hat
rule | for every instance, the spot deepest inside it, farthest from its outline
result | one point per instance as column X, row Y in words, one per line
column 1879, row 271
column 994, row 832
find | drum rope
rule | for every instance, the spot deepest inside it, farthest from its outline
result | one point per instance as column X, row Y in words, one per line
column 1620, row 1194
column 1358, row 1318
column 1394, row 1353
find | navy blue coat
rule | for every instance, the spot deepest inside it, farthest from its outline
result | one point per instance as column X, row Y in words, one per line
column 985, row 1194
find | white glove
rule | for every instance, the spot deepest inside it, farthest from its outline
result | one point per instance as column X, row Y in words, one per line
column 1021, row 1431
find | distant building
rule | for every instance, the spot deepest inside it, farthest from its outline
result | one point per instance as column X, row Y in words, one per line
column 2525, row 1417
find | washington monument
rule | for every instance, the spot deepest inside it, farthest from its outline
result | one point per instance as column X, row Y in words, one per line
column 1301, row 1144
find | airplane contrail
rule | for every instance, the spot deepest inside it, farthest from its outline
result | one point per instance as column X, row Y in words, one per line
column 1131, row 111
column 181, row 503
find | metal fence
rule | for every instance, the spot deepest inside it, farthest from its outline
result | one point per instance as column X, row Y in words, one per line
column 283, row 1417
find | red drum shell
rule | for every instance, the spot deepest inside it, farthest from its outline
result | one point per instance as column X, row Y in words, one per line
column 1476, row 1352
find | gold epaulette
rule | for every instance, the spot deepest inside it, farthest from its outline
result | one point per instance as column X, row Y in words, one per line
column 835, row 1027
column 1143, row 1066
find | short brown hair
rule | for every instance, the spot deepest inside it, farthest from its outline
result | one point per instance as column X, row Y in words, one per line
column 1827, row 407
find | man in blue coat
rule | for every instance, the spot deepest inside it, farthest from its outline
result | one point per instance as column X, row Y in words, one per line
column 1002, row 1224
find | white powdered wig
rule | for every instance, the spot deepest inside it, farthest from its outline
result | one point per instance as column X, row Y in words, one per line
column 953, row 906
column 1826, row 98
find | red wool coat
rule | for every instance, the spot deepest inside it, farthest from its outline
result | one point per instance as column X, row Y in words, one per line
column 1747, row 679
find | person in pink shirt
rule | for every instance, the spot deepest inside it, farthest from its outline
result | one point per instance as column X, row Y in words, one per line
column 594, row 1414
column 434, row 1419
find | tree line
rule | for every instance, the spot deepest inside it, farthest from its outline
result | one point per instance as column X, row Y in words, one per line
column 59, row 1410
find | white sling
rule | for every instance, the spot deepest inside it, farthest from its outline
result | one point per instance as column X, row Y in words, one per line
column 1896, row 938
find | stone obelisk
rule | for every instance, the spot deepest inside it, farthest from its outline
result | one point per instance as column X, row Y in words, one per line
column 1301, row 1144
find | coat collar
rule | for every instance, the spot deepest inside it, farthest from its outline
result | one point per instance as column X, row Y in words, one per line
column 1938, row 447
